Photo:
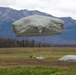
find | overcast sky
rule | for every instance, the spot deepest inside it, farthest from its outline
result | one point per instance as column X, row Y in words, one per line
column 59, row 8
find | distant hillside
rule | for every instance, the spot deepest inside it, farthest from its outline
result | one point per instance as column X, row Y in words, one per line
column 8, row 16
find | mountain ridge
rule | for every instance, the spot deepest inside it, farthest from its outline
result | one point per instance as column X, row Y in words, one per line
column 9, row 15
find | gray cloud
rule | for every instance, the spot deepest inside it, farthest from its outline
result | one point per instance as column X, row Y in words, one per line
column 55, row 7
column 7, row 2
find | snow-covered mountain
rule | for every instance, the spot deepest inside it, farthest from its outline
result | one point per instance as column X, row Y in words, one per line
column 9, row 15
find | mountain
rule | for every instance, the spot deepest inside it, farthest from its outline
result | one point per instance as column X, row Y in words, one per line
column 9, row 15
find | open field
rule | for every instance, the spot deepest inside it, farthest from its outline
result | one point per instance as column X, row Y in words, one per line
column 23, row 53
column 50, row 54
column 17, row 61
column 36, row 71
column 21, row 56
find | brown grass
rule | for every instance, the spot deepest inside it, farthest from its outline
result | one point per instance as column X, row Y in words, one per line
column 20, row 56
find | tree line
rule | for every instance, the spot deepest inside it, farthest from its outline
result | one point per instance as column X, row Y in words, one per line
column 5, row 42
column 21, row 43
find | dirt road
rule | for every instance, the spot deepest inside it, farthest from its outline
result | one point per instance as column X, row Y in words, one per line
column 38, row 63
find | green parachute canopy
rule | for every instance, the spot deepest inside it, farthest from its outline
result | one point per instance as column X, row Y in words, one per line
column 37, row 25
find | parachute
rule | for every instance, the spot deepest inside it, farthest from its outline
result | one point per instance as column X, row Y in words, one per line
column 68, row 58
column 37, row 25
